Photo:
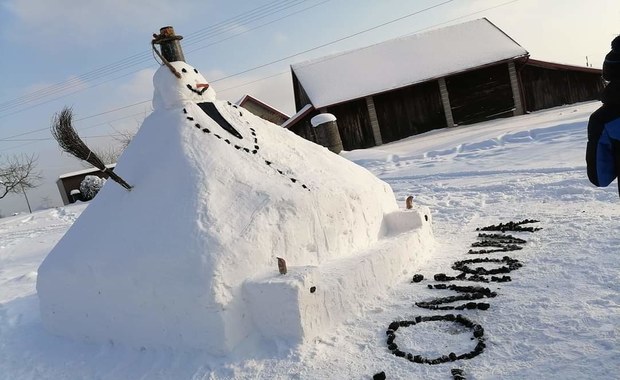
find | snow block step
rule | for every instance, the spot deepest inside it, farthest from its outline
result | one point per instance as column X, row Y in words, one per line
column 309, row 300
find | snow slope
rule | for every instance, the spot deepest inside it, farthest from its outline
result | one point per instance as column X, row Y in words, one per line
column 557, row 318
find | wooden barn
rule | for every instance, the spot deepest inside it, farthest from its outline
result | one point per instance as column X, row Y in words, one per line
column 447, row 77
column 262, row 109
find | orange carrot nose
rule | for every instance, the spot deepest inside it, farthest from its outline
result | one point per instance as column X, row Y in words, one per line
column 202, row 85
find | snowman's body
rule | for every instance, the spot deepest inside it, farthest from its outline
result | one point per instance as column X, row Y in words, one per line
column 211, row 209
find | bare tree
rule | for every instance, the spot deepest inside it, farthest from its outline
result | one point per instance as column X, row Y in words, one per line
column 18, row 173
column 108, row 155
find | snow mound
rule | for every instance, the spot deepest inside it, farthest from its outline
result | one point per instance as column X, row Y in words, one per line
column 219, row 194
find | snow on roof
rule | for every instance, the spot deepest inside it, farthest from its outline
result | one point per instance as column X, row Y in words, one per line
column 298, row 116
column 84, row 171
column 403, row 61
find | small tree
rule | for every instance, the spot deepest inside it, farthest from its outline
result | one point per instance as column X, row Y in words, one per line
column 90, row 186
column 17, row 174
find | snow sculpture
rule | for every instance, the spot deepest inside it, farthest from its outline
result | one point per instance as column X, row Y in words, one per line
column 187, row 259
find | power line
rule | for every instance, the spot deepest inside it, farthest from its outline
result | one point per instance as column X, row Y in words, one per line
column 279, row 60
column 76, row 84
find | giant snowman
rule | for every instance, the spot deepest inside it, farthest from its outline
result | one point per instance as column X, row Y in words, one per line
column 188, row 257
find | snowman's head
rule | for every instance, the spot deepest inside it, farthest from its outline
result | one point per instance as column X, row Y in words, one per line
column 171, row 92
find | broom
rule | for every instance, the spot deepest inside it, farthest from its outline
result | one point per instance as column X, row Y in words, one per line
column 70, row 142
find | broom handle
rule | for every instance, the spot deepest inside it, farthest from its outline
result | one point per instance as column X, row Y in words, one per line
column 117, row 179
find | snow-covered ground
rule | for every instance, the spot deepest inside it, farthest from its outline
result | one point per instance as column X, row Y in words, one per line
column 559, row 317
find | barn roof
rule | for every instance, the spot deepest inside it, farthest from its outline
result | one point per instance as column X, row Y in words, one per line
column 247, row 98
column 404, row 61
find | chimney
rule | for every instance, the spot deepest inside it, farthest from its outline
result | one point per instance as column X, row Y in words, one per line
column 169, row 44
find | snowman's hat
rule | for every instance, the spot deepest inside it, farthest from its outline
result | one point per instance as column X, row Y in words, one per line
column 169, row 44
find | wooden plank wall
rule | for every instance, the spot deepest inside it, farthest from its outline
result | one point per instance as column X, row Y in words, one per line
column 354, row 124
column 304, row 128
column 301, row 98
column 409, row 111
column 481, row 94
column 546, row 88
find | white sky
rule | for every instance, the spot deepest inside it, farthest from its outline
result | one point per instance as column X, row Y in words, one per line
column 46, row 43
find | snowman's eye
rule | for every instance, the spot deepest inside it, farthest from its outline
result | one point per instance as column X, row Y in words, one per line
column 183, row 69
column 196, row 71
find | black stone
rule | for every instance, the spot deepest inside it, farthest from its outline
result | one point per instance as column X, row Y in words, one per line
column 399, row 353
column 418, row 359
column 312, row 289
column 392, row 347
column 417, row 278
column 452, row 356
column 478, row 331
column 483, row 306
column 394, row 326
column 379, row 376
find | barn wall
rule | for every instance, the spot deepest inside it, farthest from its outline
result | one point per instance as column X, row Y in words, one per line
column 409, row 111
column 301, row 98
column 481, row 94
column 354, row 124
column 547, row 87
column 264, row 113
column 304, row 128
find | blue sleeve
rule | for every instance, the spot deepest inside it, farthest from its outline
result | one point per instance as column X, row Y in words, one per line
column 608, row 153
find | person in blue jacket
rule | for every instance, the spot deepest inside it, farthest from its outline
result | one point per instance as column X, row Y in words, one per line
column 603, row 150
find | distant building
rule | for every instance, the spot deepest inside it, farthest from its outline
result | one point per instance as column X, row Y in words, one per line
column 69, row 183
column 452, row 76
column 262, row 110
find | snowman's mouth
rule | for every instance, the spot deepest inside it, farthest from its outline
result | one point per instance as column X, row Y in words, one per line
column 199, row 92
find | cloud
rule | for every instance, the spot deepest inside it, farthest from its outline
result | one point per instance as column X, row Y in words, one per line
column 137, row 88
column 84, row 23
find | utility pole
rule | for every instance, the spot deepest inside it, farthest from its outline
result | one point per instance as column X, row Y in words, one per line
column 25, row 196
